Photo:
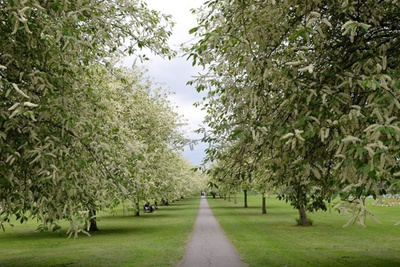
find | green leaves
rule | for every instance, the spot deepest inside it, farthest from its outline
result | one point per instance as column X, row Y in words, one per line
column 321, row 79
column 193, row 30
column 75, row 131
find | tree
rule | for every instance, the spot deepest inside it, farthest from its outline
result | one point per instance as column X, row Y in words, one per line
column 150, row 115
column 56, row 161
column 315, row 84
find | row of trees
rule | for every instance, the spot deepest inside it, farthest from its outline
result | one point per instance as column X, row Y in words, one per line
column 77, row 133
column 303, row 98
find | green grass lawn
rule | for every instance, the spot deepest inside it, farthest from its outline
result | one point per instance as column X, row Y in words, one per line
column 156, row 239
column 273, row 239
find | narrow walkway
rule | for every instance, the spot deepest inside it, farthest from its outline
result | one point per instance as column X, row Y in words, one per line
column 208, row 245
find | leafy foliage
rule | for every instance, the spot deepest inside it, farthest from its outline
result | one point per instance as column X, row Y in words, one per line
column 77, row 133
column 307, row 91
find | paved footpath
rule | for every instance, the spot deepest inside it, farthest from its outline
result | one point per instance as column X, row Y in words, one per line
column 208, row 245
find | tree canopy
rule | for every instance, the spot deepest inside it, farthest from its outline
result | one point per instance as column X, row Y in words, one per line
column 304, row 96
column 78, row 133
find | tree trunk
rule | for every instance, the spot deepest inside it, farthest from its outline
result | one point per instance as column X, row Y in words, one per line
column 92, row 221
column 235, row 198
column 380, row 199
column 137, row 209
column 245, row 198
column 303, row 216
column 264, row 204
column 229, row 197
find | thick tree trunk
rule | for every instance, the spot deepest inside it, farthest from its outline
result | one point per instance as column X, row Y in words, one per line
column 235, row 198
column 92, row 221
column 245, row 198
column 264, row 204
column 137, row 209
column 303, row 216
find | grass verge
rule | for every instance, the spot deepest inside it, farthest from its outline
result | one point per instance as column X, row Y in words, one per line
column 273, row 239
column 157, row 239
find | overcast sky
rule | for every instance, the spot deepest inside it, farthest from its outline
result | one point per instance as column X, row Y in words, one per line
column 175, row 73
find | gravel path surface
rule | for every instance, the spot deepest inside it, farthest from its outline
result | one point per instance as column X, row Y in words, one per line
column 208, row 245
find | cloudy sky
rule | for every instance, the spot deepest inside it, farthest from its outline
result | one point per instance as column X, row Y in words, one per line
column 175, row 73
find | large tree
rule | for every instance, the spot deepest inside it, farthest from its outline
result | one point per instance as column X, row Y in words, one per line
column 316, row 85
column 57, row 158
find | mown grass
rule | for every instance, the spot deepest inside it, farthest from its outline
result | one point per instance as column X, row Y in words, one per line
column 156, row 239
column 273, row 239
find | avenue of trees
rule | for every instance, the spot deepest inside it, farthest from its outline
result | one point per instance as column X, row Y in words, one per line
column 303, row 99
column 77, row 133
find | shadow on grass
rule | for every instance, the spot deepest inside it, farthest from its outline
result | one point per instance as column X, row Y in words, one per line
column 131, row 230
column 105, row 230
column 176, row 208
column 109, row 224
column 180, row 204
column 143, row 216
column 123, row 217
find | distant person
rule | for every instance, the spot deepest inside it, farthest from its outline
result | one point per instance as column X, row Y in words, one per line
column 164, row 202
column 148, row 207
